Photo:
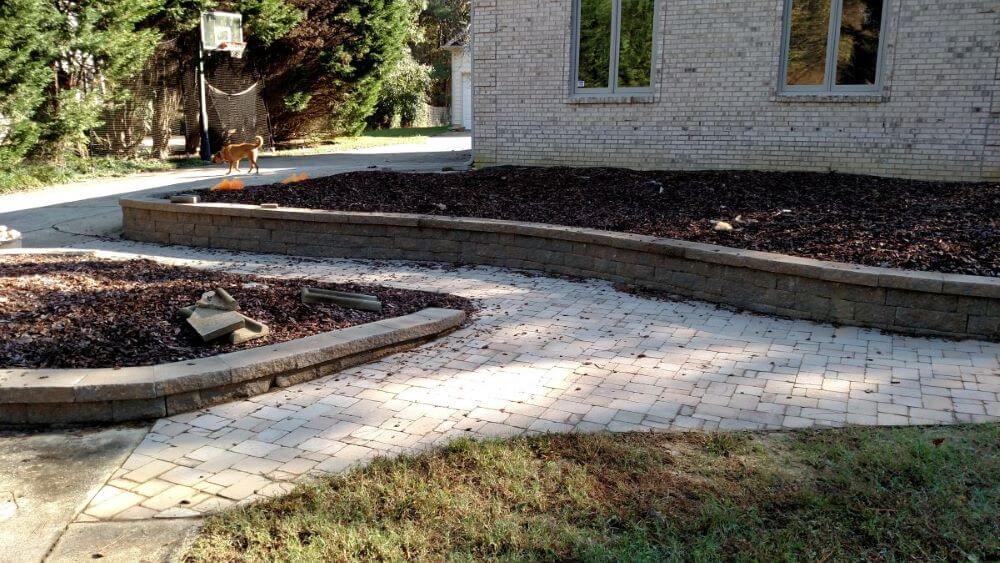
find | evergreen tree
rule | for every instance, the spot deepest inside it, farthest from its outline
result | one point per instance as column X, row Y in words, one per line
column 101, row 45
column 61, row 61
column 27, row 51
column 325, row 75
column 403, row 94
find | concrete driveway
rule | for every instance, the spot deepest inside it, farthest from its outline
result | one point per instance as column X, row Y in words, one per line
column 68, row 215
column 48, row 477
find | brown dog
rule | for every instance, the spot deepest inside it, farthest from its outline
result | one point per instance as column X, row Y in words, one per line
column 233, row 154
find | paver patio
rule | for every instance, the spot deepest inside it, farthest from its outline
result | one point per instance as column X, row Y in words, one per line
column 544, row 354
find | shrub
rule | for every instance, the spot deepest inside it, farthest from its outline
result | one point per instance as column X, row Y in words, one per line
column 403, row 95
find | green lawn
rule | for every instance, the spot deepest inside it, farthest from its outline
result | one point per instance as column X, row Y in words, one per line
column 29, row 176
column 368, row 139
column 836, row 495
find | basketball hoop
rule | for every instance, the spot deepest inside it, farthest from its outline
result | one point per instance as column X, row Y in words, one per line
column 234, row 48
column 221, row 32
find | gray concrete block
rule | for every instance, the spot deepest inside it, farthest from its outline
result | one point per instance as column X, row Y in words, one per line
column 252, row 330
column 347, row 300
column 13, row 413
column 921, row 300
column 70, row 413
column 873, row 314
column 984, row 327
column 138, row 409
column 211, row 324
column 952, row 323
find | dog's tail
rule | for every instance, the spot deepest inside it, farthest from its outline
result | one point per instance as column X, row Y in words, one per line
column 258, row 142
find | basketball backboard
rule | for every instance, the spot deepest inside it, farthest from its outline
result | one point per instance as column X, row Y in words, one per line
column 221, row 31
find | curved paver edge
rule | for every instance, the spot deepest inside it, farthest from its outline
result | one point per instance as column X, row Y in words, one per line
column 58, row 396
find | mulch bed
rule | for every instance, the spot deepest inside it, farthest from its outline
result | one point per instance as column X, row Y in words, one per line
column 86, row 312
column 932, row 226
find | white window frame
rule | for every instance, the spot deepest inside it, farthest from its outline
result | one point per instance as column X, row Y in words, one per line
column 829, row 85
column 616, row 28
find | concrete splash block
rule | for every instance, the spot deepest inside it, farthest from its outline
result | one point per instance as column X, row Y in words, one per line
column 251, row 330
column 211, row 324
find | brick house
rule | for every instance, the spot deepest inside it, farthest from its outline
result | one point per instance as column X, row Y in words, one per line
column 906, row 88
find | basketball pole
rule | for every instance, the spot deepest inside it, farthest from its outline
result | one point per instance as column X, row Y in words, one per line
column 206, row 150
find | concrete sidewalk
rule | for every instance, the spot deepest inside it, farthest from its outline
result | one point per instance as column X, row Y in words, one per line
column 47, row 478
column 71, row 214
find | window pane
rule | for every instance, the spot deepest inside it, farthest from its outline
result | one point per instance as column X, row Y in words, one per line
column 810, row 21
column 635, row 52
column 857, row 53
column 595, row 44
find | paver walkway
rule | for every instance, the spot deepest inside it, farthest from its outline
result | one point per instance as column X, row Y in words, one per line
column 544, row 354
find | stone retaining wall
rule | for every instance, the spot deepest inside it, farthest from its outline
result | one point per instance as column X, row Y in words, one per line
column 922, row 303
column 73, row 396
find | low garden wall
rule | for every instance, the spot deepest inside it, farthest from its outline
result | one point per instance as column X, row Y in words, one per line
column 923, row 303
column 73, row 396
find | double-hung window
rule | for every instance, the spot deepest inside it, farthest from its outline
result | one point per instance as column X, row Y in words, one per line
column 833, row 46
column 614, row 46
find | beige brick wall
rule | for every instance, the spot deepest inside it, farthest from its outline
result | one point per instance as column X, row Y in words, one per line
column 715, row 103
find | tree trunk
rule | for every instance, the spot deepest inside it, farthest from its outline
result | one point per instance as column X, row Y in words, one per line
column 192, row 130
column 165, row 106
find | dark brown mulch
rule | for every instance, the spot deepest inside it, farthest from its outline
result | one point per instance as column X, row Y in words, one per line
column 934, row 226
column 85, row 312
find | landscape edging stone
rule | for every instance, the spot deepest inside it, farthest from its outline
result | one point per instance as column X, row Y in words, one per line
column 100, row 395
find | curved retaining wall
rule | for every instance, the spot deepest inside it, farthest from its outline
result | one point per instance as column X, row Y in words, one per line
column 924, row 303
column 73, row 396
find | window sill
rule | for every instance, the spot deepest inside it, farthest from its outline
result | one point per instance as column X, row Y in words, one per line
column 578, row 99
column 828, row 98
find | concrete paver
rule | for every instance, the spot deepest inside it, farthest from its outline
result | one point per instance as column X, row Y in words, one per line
column 542, row 355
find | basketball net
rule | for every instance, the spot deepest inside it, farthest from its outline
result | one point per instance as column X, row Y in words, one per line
column 237, row 112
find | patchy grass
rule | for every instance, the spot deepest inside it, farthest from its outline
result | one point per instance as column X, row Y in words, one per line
column 855, row 494
column 32, row 176
column 368, row 139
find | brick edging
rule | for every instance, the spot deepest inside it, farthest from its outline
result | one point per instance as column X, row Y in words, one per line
column 70, row 396
column 924, row 303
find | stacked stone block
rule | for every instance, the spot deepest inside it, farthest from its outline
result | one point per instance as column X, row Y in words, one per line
column 909, row 302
